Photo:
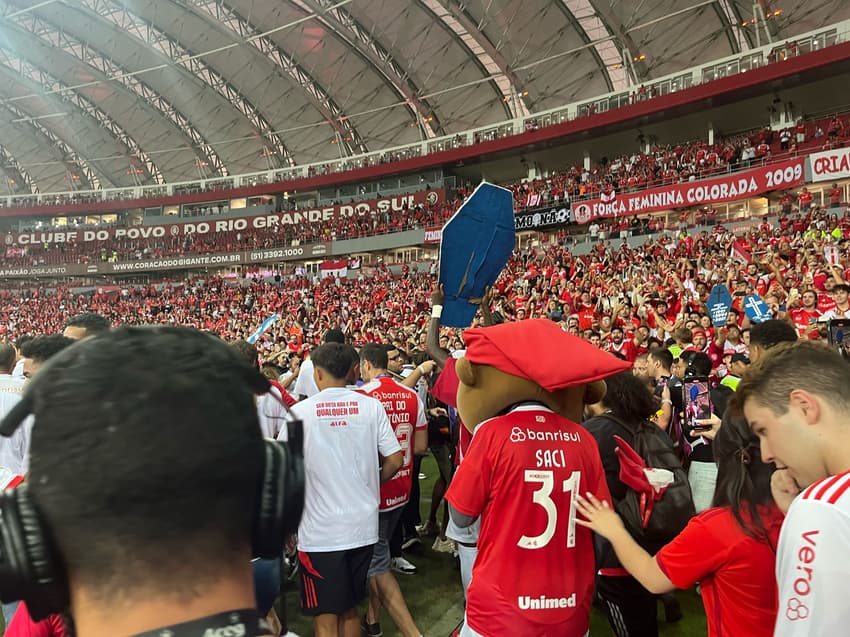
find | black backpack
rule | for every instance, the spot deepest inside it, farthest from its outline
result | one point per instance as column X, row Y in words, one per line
column 674, row 510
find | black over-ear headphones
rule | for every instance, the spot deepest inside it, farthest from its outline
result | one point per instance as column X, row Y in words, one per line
column 31, row 568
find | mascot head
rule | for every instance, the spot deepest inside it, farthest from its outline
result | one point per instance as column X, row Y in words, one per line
column 532, row 360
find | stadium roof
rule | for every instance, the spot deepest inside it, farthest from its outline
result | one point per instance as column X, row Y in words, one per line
column 103, row 93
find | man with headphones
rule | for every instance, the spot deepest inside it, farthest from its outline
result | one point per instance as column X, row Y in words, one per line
column 150, row 488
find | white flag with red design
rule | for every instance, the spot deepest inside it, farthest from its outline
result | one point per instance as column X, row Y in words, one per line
column 831, row 255
column 740, row 253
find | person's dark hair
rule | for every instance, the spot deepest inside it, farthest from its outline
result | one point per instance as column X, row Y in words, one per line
column 92, row 322
column 841, row 287
column 628, row 398
column 131, row 457
column 662, row 356
column 42, row 348
column 248, row 352
column 334, row 336
column 375, row 355
column 771, row 333
column 23, row 340
column 335, row 358
column 699, row 364
column 743, row 480
column 8, row 356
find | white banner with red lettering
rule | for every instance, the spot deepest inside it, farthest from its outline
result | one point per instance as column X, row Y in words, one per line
column 733, row 187
column 206, row 225
column 830, row 164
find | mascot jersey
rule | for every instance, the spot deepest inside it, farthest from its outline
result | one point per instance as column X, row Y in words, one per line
column 534, row 572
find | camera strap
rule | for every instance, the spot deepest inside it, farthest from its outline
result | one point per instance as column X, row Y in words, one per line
column 238, row 623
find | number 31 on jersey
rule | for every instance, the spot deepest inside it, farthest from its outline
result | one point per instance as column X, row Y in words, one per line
column 543, row 497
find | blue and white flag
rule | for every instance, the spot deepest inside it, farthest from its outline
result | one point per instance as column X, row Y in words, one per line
column 719, row 303
column 756, row 309
column 263, row 327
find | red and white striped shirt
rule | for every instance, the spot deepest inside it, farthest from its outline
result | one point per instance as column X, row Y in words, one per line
column 811, row 564
column 407, row 416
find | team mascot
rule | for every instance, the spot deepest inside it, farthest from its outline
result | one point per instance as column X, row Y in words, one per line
column 522, row 388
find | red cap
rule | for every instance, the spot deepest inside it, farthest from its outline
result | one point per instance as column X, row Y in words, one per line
column 537, row 349
column 698, row 331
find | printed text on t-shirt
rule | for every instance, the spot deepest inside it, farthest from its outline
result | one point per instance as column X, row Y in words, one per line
column 335, row 410
column 796, row 608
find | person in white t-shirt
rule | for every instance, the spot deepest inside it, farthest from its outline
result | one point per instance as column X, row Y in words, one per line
column 14, row 451
column 10, row 388
column 305, row 384
column 795, row 400
column 18, row 371
column 271, row 410
column 349, row 450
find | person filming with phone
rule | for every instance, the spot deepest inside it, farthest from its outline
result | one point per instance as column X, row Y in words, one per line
column 700, row 402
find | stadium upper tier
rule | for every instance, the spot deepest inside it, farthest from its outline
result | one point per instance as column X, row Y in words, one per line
column 764, row 161
column 727, row 76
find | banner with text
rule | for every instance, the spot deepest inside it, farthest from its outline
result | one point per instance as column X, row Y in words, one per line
column 206, row 225
column 170, row 263
column 830, row 164
column 523, row 221
column 732, row 187
column 542, row 218
column 433, row 235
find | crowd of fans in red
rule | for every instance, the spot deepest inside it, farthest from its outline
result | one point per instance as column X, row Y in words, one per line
column 676, row 163
column 649, row 293
column 124, row 249
column 662, row 165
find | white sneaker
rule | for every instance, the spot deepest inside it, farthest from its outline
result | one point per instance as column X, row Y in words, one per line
column 444, row 546
column 401, row 565
column 289, row 634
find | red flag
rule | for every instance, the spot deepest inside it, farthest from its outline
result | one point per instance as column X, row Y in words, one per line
column 740, row 253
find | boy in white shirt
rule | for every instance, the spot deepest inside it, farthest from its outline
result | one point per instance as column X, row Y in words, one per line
column 347, row 437
column 795, row 399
